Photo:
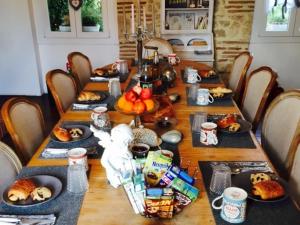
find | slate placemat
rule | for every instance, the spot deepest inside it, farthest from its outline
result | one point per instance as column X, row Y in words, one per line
column 228, row 102
column 109, row 101
column 214, row 80
column 279, row 213
column 66, row 206
column 243, row 140
column 123, row 78
column 94, row 149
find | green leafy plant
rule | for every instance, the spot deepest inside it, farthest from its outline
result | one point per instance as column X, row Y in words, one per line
column 91, row 13
column 58, row 9
column 275, row 16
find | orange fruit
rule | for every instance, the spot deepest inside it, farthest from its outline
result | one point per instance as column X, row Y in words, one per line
column 149, row 104
column 124, row 104
column 139, row 107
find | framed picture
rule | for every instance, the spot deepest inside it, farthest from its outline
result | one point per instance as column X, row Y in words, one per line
column 181, row 20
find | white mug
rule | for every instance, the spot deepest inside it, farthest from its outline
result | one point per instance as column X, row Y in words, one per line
column 204, row 97
column 120, row 65
column 208, row 133
column 77, row 156
column 233, row 208
column 192, row 76
column 100, row 118
column 173, row 59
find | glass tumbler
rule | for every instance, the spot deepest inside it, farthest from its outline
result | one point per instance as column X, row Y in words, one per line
column 192, row 94
column 114, row 87
column 77, row 182
column 199, row 118
column 221, row 179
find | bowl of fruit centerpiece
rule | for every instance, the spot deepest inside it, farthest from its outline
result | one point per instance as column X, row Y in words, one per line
column 137, row 101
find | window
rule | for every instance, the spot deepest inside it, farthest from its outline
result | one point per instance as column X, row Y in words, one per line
column 62, row 21
column 281, row 18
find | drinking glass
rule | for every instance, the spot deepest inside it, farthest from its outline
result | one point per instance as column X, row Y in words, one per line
column 221, row 179
column 193, row 91
column 114, row 88
column 77, row 182
column 199, row 118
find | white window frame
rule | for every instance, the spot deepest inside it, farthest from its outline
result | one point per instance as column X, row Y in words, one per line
column 259, row 25
column 264, row 32
column 45, row 35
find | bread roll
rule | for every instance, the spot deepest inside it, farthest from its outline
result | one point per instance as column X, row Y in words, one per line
column 21, row 189
column 41, row 193
column 268, row 189
column 62, row 134
column 88, row 96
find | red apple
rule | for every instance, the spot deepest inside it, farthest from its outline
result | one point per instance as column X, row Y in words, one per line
column 131, row 96
column 146, row 93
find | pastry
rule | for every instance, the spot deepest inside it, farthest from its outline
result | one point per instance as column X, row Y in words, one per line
column 234, row 127
column 220, row 90
column 268, row 189
column 226, row 121
column 88, row 96
column 99, row 72
column 41, row 193
column 259, row 177
column 75, row 133
column 21, row 189
column 62, row 134
column 218, row 95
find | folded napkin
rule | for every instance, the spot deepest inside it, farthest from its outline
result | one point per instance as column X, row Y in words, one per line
column 28, row 219
column 49, row 153
column 99, row 78
column 79, row 106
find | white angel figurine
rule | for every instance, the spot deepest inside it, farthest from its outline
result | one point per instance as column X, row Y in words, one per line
column 116, row 159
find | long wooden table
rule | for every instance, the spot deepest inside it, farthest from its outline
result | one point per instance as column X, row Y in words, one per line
column 105, row 205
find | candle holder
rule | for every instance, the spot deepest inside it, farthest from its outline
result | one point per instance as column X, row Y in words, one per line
column 140, row 35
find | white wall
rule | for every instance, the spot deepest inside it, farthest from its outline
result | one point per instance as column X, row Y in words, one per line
column 282, row 54
column 18, row 63
column 53, row 52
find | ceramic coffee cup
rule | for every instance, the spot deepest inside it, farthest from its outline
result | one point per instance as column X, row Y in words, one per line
column 77, row 156
column 100, row 118
column 233, row 208
column 204, row 97
column 173, row 59
column 208, row 133
column 192, row 76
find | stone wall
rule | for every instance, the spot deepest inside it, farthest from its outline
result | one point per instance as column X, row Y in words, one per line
column 232, row 28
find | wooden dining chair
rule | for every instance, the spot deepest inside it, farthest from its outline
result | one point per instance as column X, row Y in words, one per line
column 63, row 89
column 258, row 87
column 10, row 166
column 294, row 176
column 81, row 68
column 25, row 123
column 238, row 73
column 281, row 130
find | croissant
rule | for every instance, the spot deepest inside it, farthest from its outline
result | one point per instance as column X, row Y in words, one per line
column 21, row 189
column 268, row 189
column 88, row 96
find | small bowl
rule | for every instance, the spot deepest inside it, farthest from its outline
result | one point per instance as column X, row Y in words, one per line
column 167, row 153
column 140, row 150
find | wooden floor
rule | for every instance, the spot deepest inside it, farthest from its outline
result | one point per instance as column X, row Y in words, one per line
column 49, row 111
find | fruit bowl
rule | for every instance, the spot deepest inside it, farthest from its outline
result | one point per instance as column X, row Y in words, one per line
column 154, row 109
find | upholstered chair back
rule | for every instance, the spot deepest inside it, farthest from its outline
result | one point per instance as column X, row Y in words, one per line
column 63, row 89
column 25, row 123
column 237, row 76
column 81, row 68
column 10, row 167
column 280, row 128
column 258, row 87
column 294, row 179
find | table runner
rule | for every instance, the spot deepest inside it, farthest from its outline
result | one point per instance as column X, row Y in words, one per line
column 228, row 102
column 243, row 140
column 66, row 206
column 109, row 101
column 123, row 78
column 215, row 80
column 280, row 213
column 94, row 149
